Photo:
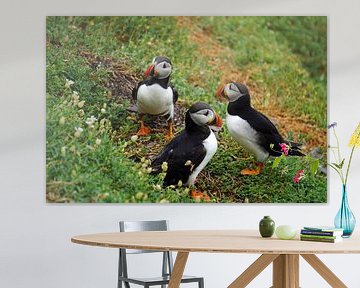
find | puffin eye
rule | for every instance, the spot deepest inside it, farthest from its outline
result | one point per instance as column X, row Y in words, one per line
column 207, row 113
column 164, row 65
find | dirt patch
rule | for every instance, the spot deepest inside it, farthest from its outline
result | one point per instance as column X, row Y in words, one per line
column 121, row 83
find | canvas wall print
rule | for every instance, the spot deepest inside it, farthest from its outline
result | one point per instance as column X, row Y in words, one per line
column 186, row 109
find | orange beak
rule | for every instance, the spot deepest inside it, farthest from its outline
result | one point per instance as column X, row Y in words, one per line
column 217, row 121
column 149, row 71
column 220, row 93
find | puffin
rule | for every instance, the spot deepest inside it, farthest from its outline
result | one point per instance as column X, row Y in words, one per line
column 189, row 152
column 252, row 129
column 155, row 95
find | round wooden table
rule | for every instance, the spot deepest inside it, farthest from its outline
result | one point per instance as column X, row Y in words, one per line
column 284, row 254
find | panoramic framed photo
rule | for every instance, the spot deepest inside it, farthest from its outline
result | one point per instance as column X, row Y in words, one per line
column 186, row 109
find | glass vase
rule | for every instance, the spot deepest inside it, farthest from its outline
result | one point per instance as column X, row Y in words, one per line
column 345, row 219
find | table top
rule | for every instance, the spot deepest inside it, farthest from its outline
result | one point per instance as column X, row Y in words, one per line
column 216, row 241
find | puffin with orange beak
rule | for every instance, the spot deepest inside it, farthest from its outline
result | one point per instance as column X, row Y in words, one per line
column 155, row 95
column 189, row 152
column 252, row 129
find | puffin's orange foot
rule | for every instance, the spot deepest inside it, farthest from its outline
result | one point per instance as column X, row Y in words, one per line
column 143, row 131
column 253, row 171
column 168, row 135
column 198, row 196
column 250, row 172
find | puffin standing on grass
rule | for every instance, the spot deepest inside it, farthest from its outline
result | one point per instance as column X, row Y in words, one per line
column 155, row 95
column 252, row 129
column 189, row 152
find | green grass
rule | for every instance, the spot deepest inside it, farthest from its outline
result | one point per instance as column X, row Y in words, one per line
column 287, row 57
column 99, row 165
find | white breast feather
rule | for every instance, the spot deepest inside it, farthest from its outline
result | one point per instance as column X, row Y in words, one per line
column 246, row 136
column 155, row 100
column 210, row 144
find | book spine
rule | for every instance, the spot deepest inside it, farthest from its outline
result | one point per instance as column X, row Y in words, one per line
column 320, row 233
column 318, row 239
column 319, row 236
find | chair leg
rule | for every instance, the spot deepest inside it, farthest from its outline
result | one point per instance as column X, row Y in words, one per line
column 201, row 283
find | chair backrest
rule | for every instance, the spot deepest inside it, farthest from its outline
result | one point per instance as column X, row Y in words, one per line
column 133, row 226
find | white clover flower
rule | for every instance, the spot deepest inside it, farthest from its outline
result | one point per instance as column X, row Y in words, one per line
column 157, row 187
column 62, row 120
column 180, row 183
column 68, row 83
column 103, row 110
column 90, row 121
column 75, row 95
column 78, row 131
column 98, row 141
column 134, row 138
column 63, row 150
column 81, row 104
column 164, row 201
column 139, row 195
column 188, row 162
column 81, row 113
column 164, row 166
column 149, row 170
column 104, row 106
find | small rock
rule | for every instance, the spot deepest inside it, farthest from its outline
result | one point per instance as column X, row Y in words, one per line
column 316, row 153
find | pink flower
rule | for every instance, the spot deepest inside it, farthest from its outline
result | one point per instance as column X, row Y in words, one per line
column 284, row 148
column 299, row 175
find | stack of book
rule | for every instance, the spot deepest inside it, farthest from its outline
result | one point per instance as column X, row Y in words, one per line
column 321, row 234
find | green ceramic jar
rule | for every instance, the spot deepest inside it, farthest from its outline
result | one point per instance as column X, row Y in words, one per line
column 266, row 226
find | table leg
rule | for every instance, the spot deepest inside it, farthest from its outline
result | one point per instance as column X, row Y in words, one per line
column 324, row 271
column 178, row 269
column 286, row 271
column 253, row 270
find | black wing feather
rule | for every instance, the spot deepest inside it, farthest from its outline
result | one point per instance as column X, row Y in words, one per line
column 269, row 135
column 176, row 154
column 136, row 88
column 175, row 94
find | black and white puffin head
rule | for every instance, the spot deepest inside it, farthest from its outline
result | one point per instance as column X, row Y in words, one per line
column 233, row 91
column 160, row 68
column 201, row 114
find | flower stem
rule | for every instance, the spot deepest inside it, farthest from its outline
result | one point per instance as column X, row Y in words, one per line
column 348, row 166
column 339, row 159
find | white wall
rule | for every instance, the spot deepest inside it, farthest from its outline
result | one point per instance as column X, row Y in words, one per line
column 35, row 248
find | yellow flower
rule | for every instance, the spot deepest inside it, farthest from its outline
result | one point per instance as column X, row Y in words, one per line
column 355, row 138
